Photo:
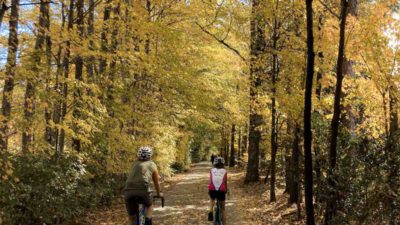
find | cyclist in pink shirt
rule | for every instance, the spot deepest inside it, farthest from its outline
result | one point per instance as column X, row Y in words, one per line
column 218, row 187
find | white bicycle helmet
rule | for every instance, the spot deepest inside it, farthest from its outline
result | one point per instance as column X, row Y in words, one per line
column 219, row 160
column 145, row 153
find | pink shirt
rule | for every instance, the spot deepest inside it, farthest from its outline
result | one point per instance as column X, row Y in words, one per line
column 218, row 179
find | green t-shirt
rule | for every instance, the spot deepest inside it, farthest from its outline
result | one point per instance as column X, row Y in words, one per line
column 140, row 176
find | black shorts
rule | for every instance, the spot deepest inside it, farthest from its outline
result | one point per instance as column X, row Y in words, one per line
column 219, row 195
column 134, row 198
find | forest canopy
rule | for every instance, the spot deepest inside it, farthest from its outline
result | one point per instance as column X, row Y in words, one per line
column 306, row 91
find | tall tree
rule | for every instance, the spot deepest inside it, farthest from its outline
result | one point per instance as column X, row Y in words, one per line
column 10, row 74
column 76, row 141
column 60, row 143
column 232, row 159
column 31, row 83
column 308, row 170
column 274, row 115
column 331, row 206
column 257, row 47
column 3, row 9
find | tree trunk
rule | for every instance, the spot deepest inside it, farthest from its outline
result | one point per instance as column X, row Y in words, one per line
column 318, row 92
column 57, row 109
column 331, row 205
column 66, row 65
column 3, row 9
column 113, row 63
column 104, row 39
column 257, row 47
column 274, row 132
column 245, row 140
column 9, row 75
column 76, row 141
column 226, row 148
column 90, row 63
column 294, row 169
column 30, row 95
column 393, row 155
column 232, row 160
column 288, row 160
column 239, row 151
column 308, row 170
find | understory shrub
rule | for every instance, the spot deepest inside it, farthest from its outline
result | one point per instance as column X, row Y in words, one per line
column 48, row 191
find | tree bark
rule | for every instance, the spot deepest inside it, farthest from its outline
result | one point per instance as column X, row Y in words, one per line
column 288, row 160
column 331, row 206
column 393, row 154
column 90, row 63
column 257, row 47
column 9, row 75
column 245, row 140
column 294, row 169
column 232, row 160
column 3, row 9
column 318, row 92
column 308, row 170
column 274, row 131
column 239, row 151
column 104, row 39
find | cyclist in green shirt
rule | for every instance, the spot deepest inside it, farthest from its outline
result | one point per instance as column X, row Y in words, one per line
column 138, row 188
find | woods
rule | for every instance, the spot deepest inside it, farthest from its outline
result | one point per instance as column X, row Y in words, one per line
column 300, row 94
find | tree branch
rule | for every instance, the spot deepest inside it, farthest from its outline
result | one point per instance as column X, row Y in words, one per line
column 329, row 9
column 222, row 41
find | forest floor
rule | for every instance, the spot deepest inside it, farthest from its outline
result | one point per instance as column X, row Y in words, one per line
column 187, row 203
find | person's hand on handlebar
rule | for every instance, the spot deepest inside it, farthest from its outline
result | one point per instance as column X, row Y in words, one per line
column 160, row 194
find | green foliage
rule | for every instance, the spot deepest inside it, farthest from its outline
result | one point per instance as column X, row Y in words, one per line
column 50, row 192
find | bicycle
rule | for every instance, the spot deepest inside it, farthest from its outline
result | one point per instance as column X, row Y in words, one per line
column 217, row 213
column 140, row 216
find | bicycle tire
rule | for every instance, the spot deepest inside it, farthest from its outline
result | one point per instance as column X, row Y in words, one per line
column 218, row 214
column 140, row 218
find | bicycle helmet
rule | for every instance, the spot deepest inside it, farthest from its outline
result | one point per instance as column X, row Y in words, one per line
column 145, row 153
column 219, row 160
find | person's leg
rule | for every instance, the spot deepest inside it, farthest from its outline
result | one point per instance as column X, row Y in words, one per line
column 211, row 212
column 132, row 220
column 132, row 207
column 212, row 203
column 149, row 211
column 148, row 201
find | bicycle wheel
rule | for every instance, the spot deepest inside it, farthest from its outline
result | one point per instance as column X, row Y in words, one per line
column 218, row 214
column 140, row 218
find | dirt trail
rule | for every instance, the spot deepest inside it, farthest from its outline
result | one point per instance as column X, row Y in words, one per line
column 187, row 203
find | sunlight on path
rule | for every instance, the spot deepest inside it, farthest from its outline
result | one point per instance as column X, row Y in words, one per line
column 187, row 201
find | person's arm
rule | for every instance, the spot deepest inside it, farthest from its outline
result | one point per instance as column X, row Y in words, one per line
column 156, row 182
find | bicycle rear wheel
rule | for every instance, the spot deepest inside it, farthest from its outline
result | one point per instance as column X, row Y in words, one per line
column 218, row 214
column 140, row 218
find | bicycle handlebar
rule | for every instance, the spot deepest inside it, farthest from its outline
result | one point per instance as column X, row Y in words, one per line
column 162, row 200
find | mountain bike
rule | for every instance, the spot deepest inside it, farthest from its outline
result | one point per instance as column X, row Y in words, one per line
column 140, row 216
column 217, row 213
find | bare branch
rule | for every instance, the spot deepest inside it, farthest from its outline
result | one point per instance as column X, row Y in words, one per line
column 329, row 9
column 221, row 41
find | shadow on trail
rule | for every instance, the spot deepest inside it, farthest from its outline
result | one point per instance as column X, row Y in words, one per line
column 187, row 201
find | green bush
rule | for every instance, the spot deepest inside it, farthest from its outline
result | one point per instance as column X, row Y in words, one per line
column 50, row 192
